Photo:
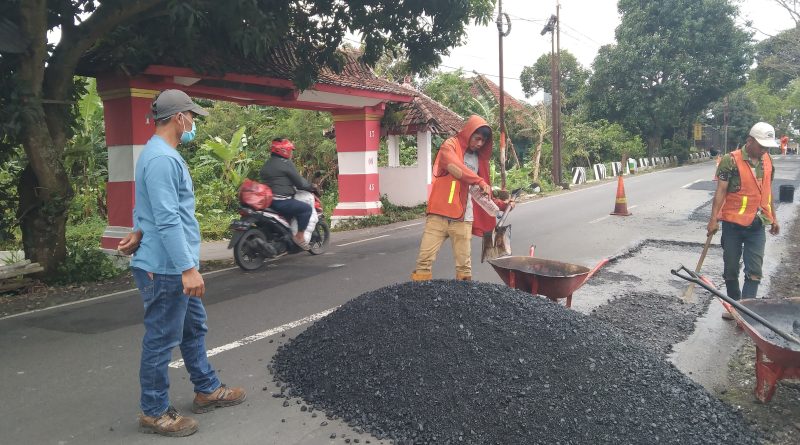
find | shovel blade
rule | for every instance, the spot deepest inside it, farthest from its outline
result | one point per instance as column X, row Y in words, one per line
column 496, row 243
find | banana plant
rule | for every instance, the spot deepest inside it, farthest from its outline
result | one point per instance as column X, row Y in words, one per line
column 232, row 155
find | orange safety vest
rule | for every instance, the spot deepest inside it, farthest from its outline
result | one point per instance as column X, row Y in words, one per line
column 741, row 207
column 448, row 196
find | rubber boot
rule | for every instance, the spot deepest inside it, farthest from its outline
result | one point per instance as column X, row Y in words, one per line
column 750, row 288
column 732, row 287
column 421, row 276
column 462, row 277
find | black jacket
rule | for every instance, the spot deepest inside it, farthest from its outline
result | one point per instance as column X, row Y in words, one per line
column 282, row 177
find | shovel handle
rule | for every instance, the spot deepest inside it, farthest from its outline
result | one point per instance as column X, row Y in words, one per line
column 705, row 251
column 514, row 195
column 698, row 280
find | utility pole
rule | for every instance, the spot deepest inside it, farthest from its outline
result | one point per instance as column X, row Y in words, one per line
column 500, row 34
column 557, row 89
column 725, row 123
column 555, row 99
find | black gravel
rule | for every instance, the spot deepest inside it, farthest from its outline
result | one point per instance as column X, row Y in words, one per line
column 657, row 321
column 450, row 362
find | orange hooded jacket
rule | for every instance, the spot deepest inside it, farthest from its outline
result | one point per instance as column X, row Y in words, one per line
column 452, row 178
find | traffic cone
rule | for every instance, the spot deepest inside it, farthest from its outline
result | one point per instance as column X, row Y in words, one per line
column 621, row 205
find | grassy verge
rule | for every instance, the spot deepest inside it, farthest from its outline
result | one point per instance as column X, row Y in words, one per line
column 391, row 214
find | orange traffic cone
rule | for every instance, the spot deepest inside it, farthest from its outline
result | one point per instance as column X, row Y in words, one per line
column 621, row 205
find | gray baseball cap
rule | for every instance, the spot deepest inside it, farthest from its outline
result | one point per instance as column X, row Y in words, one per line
column 170, row 102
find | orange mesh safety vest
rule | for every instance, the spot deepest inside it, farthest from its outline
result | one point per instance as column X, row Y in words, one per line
column 741, row 207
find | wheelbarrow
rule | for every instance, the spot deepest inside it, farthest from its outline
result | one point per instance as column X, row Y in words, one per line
column 773, row 325
column 552, row 279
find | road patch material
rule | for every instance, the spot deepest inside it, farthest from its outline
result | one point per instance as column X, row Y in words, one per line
column 476, row 363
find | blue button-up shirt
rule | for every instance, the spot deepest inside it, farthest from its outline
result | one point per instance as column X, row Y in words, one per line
column 164, row 211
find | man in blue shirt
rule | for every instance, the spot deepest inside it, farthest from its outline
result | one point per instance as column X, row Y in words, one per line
column 165, row 266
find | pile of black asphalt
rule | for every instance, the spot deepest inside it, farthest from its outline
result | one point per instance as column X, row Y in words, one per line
column 448, row 362
column 657, row 321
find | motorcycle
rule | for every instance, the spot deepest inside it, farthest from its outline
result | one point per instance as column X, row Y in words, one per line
column 263, row 234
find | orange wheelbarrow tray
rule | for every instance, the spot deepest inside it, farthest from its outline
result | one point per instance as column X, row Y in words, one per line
column 776, row 358
column 552, row 279
column 772, row 324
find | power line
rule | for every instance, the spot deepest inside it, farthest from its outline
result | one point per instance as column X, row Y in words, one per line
column 476, row 72
column 579, row 32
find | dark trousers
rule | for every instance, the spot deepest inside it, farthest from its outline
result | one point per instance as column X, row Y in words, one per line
column 292, row 208
column 740, row 242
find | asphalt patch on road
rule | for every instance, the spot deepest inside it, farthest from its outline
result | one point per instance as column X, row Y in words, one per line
column 451, row 362
column 656, row 321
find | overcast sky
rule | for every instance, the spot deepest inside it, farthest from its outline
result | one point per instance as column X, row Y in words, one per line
column 586, row 25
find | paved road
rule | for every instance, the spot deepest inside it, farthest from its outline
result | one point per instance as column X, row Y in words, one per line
column 69, row 375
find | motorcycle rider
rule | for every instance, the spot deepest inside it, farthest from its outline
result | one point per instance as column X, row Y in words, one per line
column 280, row 174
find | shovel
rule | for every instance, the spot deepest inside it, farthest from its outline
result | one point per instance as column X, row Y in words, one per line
column 689, row 293
column 690, row 276
column 497, row 243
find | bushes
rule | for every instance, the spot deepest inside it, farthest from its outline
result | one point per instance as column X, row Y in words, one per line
column 85, row 261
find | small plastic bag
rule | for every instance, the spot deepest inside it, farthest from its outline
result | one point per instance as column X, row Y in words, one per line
column 483, row 200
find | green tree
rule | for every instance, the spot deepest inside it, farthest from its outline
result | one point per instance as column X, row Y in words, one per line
column 793, row 8
column 450, row 89
column 39, row 92
column 672, row 58
column 573, row 79
column 778, row 59
column 742, row 114
column 779, row 108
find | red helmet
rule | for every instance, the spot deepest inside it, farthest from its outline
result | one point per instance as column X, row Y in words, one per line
column 282, row 147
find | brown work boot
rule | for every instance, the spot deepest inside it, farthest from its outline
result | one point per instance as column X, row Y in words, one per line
column 168, row 424
column 222, row 397
column 461, row 277
column 727, row 315
column 421, row 276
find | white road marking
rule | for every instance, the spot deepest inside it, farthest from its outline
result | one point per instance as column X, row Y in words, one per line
column 690, row 184
column 408, row 225
column 99, row 297
column 599, row 219
column 361, row 241
column 261, row 335
column 609, row 216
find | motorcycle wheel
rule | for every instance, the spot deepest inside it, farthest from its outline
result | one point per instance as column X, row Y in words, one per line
column 320, row 238
column 246, row 253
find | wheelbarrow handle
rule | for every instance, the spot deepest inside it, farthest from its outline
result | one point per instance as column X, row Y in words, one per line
column 693, row 277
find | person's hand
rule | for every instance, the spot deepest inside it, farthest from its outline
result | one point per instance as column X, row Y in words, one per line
column 193, row 284
column 486, row 189
column 130, row 243
column 775, row 229
column 713, row 227
column 510, row 204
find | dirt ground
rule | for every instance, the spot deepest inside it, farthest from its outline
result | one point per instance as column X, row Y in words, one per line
column 40, row 295
column 780, row 418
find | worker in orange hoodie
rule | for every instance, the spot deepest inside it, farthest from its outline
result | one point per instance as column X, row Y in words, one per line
column 462, row 162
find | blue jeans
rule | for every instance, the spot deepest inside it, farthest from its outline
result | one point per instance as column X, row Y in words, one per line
column 292, row 208
column 171, row 318
column 743, row 242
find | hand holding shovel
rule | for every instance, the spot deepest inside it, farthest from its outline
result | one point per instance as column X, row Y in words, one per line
column 689, row 293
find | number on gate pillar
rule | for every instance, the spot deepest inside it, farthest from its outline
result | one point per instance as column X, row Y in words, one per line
column 372, row 133
column 372, row 187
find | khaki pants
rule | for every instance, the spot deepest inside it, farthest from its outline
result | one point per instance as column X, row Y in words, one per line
column 437, row 230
